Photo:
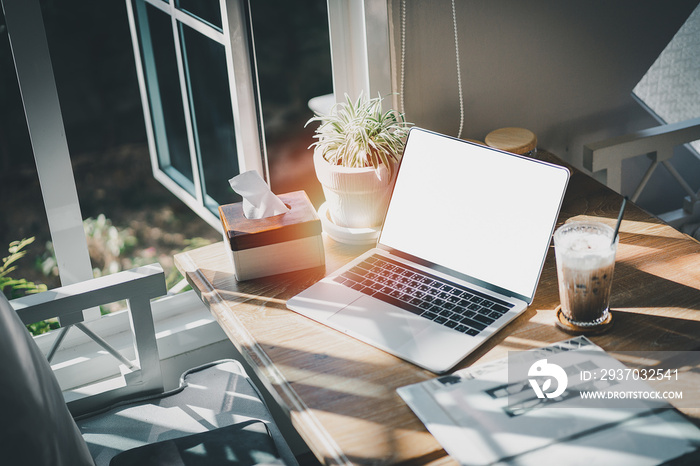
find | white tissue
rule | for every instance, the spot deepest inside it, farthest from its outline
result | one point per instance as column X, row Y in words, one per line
column 258, row 200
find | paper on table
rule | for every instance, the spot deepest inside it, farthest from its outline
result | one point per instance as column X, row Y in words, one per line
column 468, row 413
column 258, row 200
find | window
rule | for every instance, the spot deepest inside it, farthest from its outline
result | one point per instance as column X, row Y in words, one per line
column 669, row 89
column 293, row 56
column 202, row 89
column 200, row 95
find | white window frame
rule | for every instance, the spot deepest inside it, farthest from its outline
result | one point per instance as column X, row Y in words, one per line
column 358, row 68
column 236, row 38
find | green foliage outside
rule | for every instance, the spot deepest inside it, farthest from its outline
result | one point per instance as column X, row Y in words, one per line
column 112, row 250
column 11, row 287
column 14, row 288
column 107, row 246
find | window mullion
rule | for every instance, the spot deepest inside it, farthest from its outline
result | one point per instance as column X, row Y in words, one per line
column 212, row 32
column 188, row 114
column 203, row 28
column 145, row 66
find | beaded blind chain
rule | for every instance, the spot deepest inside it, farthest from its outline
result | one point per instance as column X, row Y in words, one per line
column 459, row 71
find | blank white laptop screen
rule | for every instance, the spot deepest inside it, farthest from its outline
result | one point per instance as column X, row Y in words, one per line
column 480, row 212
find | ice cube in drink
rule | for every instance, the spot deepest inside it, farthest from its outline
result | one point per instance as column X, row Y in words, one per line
column 585, row 256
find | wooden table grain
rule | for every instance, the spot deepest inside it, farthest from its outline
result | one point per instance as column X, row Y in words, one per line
column 341, row 393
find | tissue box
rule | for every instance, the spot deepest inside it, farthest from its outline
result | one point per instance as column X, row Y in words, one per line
column 281, row 243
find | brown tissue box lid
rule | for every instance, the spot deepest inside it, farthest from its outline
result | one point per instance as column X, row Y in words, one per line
column 300, row 222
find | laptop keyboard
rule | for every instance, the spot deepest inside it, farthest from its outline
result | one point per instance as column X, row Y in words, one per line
column 449, row 304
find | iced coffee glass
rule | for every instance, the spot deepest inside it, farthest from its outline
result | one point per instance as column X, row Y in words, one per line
column 585, row 256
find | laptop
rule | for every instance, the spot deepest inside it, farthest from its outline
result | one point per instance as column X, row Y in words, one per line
column 459, row 255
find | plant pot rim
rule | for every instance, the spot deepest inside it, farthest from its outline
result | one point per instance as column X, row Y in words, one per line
column 319, row 158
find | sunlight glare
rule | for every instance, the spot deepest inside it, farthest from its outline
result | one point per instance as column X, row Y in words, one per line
column 351, row 386
column 68, row 363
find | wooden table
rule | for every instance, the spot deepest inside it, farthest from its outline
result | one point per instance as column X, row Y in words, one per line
column 341, row 393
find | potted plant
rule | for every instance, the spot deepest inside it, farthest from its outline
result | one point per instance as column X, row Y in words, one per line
column 355, row 156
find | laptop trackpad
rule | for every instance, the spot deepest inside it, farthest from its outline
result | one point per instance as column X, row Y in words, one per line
column 377, row 322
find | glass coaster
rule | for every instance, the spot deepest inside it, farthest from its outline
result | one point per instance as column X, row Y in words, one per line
column 568, row 327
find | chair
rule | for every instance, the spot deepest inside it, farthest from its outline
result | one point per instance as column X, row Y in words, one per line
column 216, row 416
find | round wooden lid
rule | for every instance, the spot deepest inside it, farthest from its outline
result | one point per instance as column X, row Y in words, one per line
column 515, row 140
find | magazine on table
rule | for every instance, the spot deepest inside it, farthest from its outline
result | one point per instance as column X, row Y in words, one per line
column 530, row 409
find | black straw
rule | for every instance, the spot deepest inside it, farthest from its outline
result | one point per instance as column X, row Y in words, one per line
column 619, row 219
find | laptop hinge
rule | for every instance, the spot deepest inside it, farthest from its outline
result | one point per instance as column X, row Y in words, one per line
column 454, row 273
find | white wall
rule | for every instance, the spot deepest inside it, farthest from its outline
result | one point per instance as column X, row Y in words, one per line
column 564, row 69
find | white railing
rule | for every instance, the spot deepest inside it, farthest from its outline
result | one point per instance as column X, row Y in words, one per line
column 121, row 353
column 604, row 159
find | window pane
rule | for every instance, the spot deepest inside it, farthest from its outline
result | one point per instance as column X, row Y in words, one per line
column 160, row 67
column 207, row 10
column 205, row 62
column 292, row 48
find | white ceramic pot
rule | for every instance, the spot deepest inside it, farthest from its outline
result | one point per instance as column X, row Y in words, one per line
column 356, row 197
